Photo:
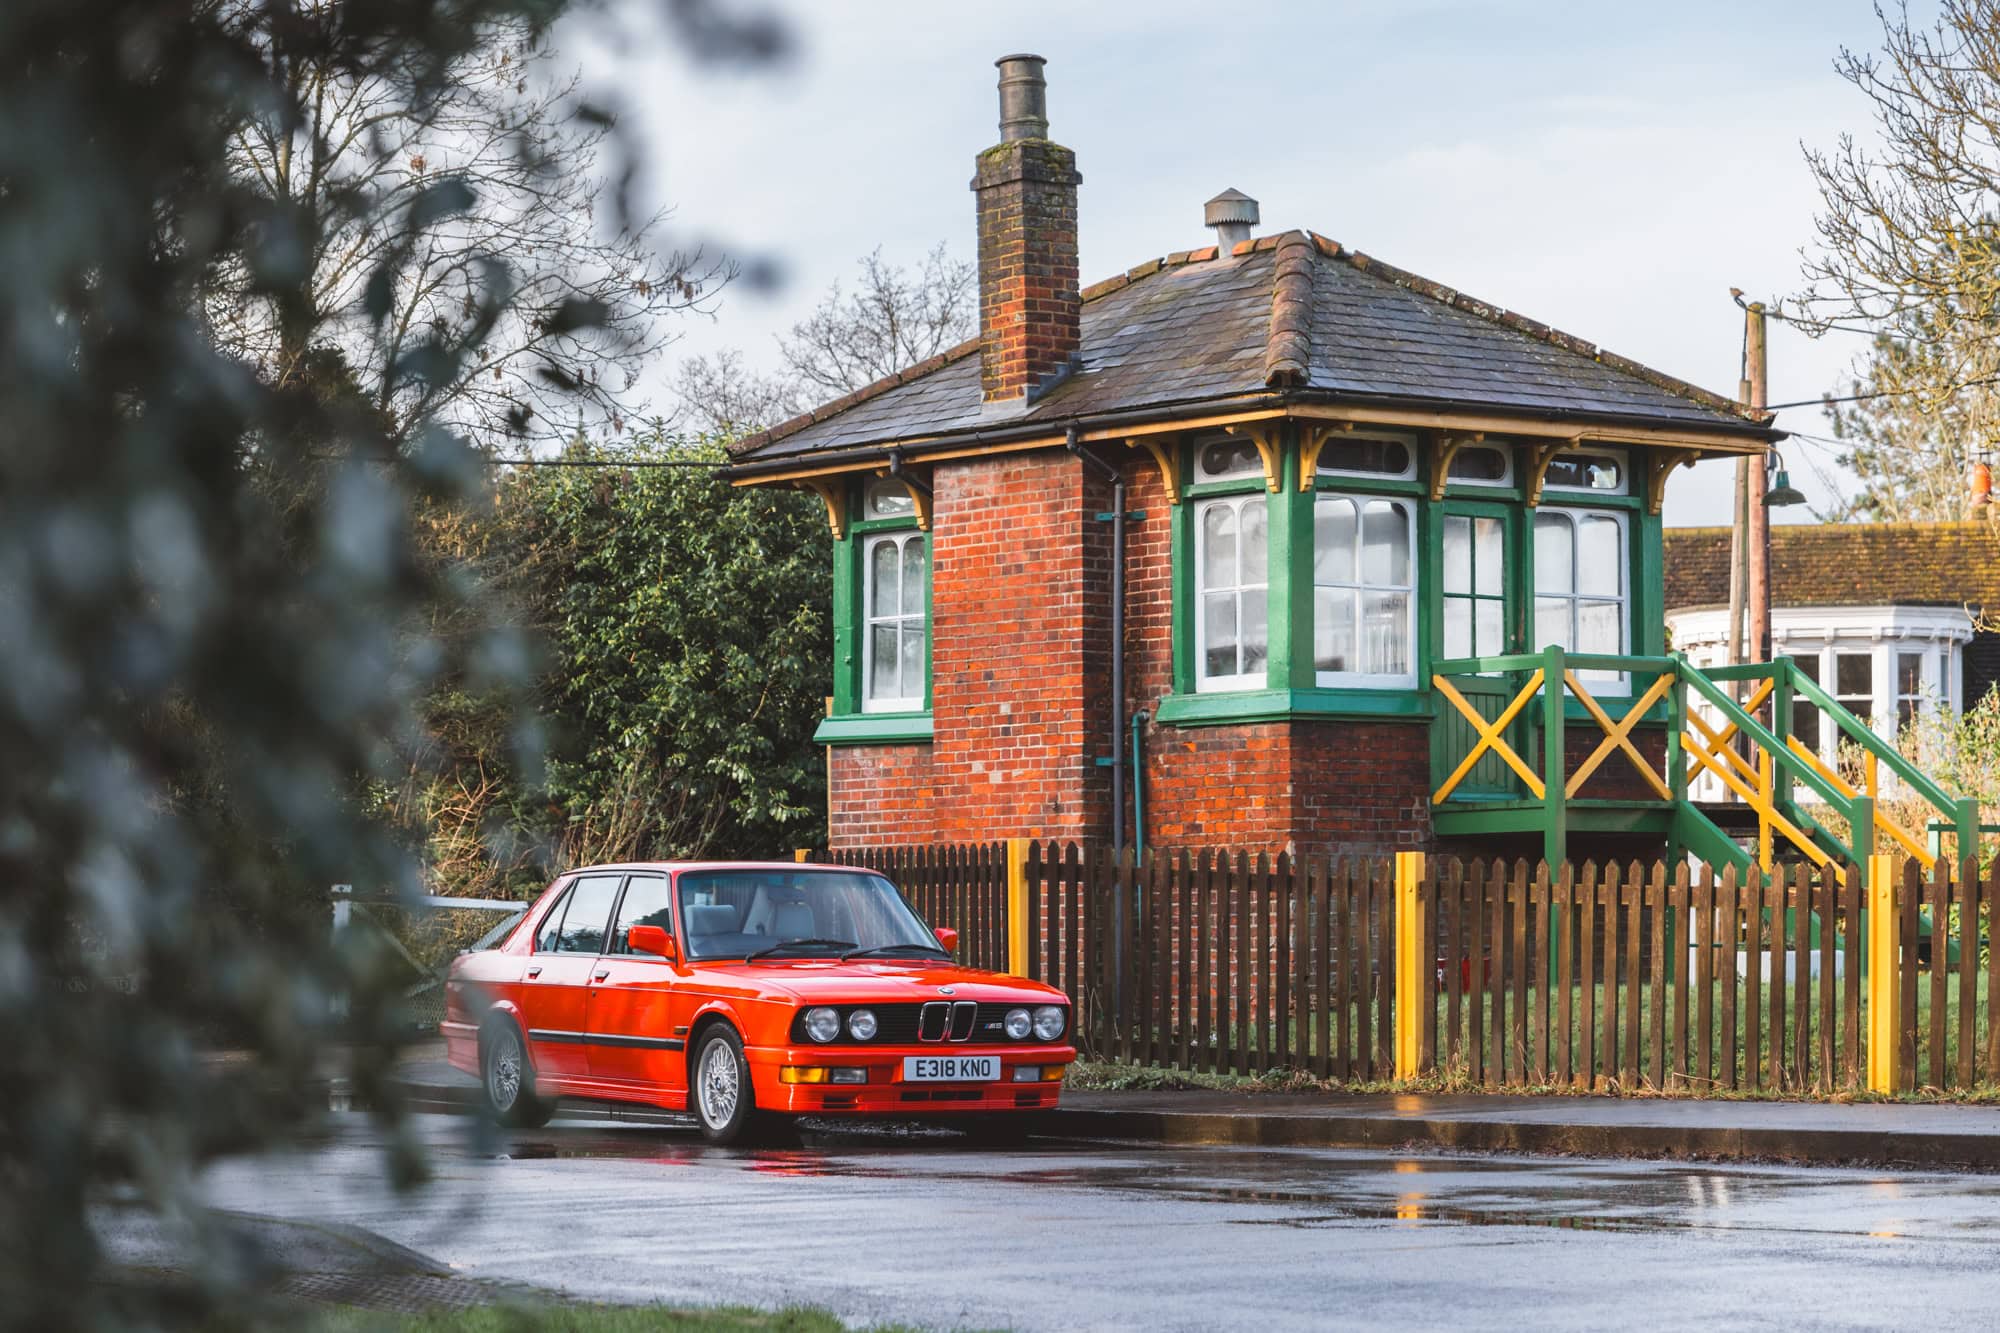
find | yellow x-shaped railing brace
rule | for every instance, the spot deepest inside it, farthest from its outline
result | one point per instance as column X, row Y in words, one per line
column 1490, row 737
column 1757, row 800
column 1902, row 835
column 1618, row 736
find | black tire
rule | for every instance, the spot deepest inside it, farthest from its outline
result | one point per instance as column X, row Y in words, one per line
column 507, row 1080
column 722, row 1097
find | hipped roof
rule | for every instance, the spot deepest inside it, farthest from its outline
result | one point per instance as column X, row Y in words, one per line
column 1846, row 564
column 1294, row 318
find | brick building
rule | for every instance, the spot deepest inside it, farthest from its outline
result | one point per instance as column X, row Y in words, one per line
column 1174, row 555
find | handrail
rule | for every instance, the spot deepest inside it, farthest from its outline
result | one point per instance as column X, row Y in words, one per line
column 1866, row 738
column 1757, row 732
column 1486, row 666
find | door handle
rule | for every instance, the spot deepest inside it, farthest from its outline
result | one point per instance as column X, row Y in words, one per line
column 534, row 972
column 599, row 976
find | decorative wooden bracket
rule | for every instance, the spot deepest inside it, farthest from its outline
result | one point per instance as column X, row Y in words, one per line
column 1264, row 434
column 920, row 497
column 1444, row 448
column 1660, row 464
column 1543, row 455
column 834, row 497
column 1167, row 457
column 1312, row 439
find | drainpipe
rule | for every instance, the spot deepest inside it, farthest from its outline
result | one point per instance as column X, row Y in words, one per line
column 1139, row 782
column 1117, row 517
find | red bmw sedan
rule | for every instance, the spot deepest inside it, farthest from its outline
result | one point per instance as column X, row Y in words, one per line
column 749, row 994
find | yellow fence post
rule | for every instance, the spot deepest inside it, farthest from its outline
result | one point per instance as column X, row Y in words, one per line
column 802, row 854
column 1017, row 905
column 1882, row 978
column 1409, row 962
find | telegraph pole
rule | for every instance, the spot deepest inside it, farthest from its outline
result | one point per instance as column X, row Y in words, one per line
column 1758, row 529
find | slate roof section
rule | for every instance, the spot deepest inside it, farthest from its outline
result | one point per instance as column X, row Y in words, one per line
column 1295, row 314
column 1846, row 564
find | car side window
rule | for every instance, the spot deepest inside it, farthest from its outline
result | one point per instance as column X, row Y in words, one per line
column 545, row 938
column 648, row 902
column 589, row 912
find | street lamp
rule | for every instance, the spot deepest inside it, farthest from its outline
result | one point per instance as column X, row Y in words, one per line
column 1782, row 492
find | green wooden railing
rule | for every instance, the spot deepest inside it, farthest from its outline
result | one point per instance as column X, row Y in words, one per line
column 1505, row 730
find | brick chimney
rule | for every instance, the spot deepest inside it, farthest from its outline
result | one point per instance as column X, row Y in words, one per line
column 1029, row 308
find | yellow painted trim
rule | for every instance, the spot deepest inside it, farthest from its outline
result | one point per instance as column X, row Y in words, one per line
column 1167, row 458
column 1489, row 737
column 1659, row 468
column 1568, row 431
column 1312, row 439
column 1410, row 964
column 1751, row 798
column 1903, row 836
column 1883, row 926
column 1617, row 736
column 1017, row 906
column 1265, row 437
column 802, row 854
column 835, row 501
column 1444, row 448
column 1538, row 466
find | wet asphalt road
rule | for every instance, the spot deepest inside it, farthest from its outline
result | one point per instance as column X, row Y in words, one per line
column 938, row 1233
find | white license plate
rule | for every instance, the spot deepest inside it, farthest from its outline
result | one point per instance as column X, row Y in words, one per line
column 951, row 1069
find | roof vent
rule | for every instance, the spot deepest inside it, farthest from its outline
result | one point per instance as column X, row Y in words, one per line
column 1232, row 213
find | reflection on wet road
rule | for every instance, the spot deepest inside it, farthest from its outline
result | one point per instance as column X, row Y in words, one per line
column 924, row 1229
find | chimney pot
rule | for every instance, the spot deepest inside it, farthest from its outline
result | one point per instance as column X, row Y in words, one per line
column 1232, row 213
column 1024, row 98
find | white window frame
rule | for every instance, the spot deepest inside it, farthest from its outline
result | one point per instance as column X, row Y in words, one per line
column 870, row 703
column 1618, row 456
column 1504, row 480
column 1371, row 680
column 1329, row 459
column 1537, row 595
column 1241, row 680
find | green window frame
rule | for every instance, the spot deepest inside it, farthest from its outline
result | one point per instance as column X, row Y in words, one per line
column 1291, row 685
column 879, row 517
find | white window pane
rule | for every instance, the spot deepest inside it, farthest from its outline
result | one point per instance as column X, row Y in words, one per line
column 1552, row 627
column 1489, row 629
column 1256, row 533
column 1385, row 545
column 1333, row 541
column 1218, row 553
column 1600, row 627
column 1457, row 554
column 913, row 661
column 1457, row 627
column 1385, row 633
column 915, row 579
column 883, row 562
column 889, row 498
column 1256, row 634
column 1229, row 458
column 1486, row 561
column 1603, row 474
column 1333, row 630
column 1909, row 673
column 1555, row 566
column 1218, row 632
column 884, row 680
column 1599, row 557
column 1854, row 674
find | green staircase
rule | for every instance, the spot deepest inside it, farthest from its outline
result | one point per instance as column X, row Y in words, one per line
column 1522, row 742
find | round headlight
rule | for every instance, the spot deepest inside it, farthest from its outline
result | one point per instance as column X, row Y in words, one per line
column 861, row 1025
column 822, row 1024
column 1049, row 1022
column 1018, row 1022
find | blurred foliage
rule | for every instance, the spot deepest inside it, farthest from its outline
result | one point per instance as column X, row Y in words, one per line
column 686, row 626
column 218, row 633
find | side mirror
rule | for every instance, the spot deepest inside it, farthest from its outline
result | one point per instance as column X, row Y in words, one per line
column 653, row 940
column 947, row 937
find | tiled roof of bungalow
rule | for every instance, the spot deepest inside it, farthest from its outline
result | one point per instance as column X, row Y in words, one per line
column 1846, row 564
column 1286, row 318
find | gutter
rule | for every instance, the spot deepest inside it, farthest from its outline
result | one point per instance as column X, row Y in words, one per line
column 1042, row 428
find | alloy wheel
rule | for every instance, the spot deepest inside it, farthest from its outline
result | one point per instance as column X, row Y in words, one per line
column 503, row 1071
column 719, row 1083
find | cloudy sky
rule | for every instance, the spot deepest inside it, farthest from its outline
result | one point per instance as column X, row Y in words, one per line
column 1610, row 168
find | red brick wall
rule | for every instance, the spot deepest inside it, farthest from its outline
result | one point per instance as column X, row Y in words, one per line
column 879, row 795
column 1029, row 304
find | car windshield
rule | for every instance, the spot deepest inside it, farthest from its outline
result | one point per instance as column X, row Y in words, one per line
column 807, row 912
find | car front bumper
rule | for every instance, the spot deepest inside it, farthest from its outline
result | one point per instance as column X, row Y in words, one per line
column 887, row 1094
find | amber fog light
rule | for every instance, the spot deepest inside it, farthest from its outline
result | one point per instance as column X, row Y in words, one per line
column 801, row 1074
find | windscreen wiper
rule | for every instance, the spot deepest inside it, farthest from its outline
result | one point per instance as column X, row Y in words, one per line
column 793, row 944
column 891, row 948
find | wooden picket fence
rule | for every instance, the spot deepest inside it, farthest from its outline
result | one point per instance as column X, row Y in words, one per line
column 1615, row 976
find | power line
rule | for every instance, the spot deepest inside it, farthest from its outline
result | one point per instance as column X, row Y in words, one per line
column 1880, row 393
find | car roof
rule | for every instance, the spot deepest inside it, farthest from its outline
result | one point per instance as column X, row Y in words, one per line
column 672, row 867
